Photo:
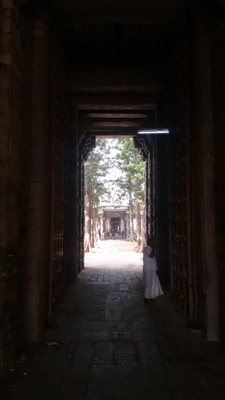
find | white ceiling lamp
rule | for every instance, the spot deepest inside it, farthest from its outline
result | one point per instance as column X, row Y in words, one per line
column 153, row 132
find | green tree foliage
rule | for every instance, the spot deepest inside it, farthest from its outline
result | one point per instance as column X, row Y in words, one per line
column 131, row 183
column 131, row 165
column 96, row 169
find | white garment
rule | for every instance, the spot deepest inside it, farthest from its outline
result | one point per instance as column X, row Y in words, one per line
column 152, row 287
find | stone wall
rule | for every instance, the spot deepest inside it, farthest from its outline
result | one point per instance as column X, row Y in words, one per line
column 32, row 156
column 182, row 219
column 38, row 217
column 10, row 178
column 56, row 172
column 192, row 200
column 202, row 133
column 218, row 120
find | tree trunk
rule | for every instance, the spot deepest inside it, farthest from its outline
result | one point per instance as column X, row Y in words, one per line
column 88, row 206
column 142, row 238
column 138, row 223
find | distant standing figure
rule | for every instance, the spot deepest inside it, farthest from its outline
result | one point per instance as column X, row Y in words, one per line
column 103, row 235
column 152, row 287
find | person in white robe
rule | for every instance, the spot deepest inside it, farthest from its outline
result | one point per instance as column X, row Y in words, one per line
column 152, row 287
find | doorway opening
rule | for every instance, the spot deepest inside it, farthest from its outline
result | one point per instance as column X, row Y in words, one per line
column 114, row 180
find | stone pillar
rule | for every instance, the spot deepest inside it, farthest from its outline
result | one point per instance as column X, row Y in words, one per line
column 150, row 192
column 127, row 220
column 161, row 205
column 10, row 175
column 101, row 224
column 70, row 211
column 80, row 214
column 147, row 197
column 204, row 173
column 38, row 212
column 218, row 92
column 106, row 225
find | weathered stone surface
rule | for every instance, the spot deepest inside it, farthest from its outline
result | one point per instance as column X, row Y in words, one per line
column 149, row 47
column 151, row 356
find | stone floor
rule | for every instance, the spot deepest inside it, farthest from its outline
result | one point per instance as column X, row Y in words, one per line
column 106, row 344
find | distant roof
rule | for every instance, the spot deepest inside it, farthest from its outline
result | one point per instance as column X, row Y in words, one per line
column 111, row 206
column 114, row 208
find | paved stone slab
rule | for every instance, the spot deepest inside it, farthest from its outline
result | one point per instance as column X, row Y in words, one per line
column 125, row 351
column 72, row 391
column 124, row 336
column 129, row 379
column 102, row 382
column 52, row 371
column 104, row 353
column 212, row 380
column 185, row 382
column 146, row 336
column 105, row 343
column 60, row 351
column 84, row 336
column 27, row 390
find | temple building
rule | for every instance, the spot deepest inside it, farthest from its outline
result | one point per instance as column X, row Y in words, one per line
column 115, row 220
column 71, row 71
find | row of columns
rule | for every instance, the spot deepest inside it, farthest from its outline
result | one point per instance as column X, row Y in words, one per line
column 105, row 224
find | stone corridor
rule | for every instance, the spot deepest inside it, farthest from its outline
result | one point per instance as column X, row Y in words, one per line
column 106, row 344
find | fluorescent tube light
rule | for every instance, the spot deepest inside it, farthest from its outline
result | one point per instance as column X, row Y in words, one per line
column 153, row 131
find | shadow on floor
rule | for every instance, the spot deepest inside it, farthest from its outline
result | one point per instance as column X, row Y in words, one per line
column 105, row 343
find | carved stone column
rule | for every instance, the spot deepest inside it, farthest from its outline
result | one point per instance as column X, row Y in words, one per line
column 80, row 215
column 10, row 176
column 218, row 92
column 204, row 174
column 147, row 148
column 161, row 206
column 38, row 213
column 71, row 179
column 101, row 224
column 150, row 192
